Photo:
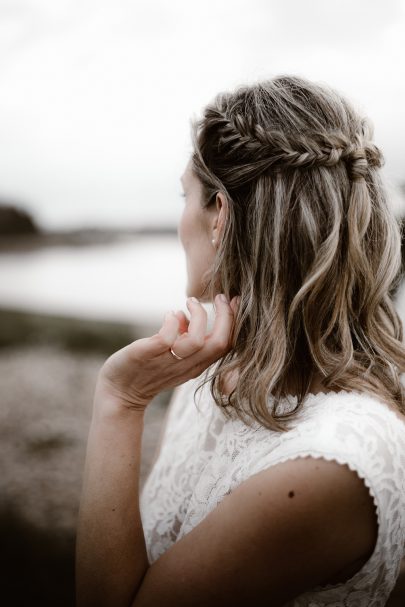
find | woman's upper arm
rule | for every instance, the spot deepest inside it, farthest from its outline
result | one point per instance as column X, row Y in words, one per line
column 283, row 531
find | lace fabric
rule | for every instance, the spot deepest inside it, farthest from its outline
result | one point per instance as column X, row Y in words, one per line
column 205, row 456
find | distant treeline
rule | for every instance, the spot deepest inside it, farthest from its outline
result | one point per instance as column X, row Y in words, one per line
column 15, row 220
column 18, row 228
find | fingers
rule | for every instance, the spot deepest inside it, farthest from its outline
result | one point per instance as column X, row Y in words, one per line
column 163, row 340
column 196, row 342
column 170, row 327
column 220, row 336
column 193, row 340
column 188, row 338
column 235, row 301
column 183, row 320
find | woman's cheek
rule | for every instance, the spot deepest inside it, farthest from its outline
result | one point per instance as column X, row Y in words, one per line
column 182, row 230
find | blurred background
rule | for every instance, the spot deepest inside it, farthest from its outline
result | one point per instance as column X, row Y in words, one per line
column 96, row 98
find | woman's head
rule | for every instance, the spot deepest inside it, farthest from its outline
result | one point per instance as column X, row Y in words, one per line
column 289, row 176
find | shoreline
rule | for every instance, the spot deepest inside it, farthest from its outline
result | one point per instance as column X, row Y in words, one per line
column 80, row 237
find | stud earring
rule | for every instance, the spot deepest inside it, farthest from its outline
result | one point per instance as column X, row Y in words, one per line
column 213, row 242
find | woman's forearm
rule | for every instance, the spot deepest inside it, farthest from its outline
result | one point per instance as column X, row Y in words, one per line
column 111, row 554
column 111, row 557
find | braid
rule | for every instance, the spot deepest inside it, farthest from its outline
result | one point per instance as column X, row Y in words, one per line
column 239, row 137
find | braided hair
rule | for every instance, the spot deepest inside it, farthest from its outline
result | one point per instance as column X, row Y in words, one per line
column 310, row 244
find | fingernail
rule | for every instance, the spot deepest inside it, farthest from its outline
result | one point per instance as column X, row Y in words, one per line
column 192, row 300
column 223, row 298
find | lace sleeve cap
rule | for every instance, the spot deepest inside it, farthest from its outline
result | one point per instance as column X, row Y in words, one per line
column 362, row 433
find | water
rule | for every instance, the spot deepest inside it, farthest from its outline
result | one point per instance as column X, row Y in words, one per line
column 131, row 281
column 135, row 281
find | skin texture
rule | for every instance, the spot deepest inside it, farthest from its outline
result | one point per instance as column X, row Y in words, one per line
column 196, row 230
column 280, row 533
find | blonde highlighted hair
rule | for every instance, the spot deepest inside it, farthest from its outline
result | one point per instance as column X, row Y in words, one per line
column 310, row 244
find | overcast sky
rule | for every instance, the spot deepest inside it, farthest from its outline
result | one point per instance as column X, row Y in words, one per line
column 96, row 95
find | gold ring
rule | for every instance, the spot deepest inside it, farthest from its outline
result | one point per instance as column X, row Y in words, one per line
column 176, row 355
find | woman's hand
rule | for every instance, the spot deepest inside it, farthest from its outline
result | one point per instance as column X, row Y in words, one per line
column 131, row 377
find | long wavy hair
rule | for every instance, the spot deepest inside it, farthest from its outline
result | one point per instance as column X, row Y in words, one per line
column 310, row 244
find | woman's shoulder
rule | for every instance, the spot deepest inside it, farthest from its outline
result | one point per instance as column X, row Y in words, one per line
column 355, row 423
column 354, row 429
column 365, row 435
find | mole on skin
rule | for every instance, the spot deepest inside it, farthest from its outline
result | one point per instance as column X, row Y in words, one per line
column 291, row 494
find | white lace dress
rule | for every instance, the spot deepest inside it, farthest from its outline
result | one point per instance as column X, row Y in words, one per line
column 204, row 457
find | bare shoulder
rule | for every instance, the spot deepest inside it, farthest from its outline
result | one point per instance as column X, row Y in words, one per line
column 278, row 534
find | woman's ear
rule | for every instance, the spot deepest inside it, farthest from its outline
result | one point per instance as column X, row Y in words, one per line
column 220, row 216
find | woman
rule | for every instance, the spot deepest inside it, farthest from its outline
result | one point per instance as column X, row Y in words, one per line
column 284, row 483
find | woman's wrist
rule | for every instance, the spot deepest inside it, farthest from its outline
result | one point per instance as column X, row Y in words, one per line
column 110, row 402
column 110, row 407
column 112, row 413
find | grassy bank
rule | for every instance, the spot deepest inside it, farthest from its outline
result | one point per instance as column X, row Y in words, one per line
column 73, row 334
